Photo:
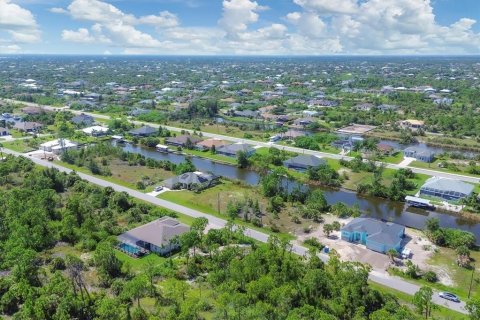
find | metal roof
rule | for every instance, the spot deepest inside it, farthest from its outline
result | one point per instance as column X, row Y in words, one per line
column 445, row 185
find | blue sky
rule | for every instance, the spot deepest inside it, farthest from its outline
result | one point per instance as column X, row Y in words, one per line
column 243, row 27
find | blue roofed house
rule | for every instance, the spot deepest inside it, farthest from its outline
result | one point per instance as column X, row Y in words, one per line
column 446, row 189
column 231, row 150
column 304, row 162
column 376, row 235
column 419, row 154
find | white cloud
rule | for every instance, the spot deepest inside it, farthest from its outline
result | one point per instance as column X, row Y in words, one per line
column 12, row 48
column 329, row 6
column 19, row 23
column 238, row 14
column 164, row 20
column 82, row 35
column 57, row 10
column 316, row 27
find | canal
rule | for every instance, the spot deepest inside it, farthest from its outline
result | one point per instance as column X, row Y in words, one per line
column 379, row 208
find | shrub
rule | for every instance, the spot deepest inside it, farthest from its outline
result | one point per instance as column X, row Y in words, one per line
column 314, row 243
column 430, row 276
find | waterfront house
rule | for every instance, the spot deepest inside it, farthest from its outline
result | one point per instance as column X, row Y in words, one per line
column 58, row 146
column 419, row 154
column 189, row 180
column 159, row 236
column 446, row 189
column 95, row 131
column 231, row 150
column 304, row 162
column 144, row 131
column 376, row 235
column 210, row 143
column 182, row 141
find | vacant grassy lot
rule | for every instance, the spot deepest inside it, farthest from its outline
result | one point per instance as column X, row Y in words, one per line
column 435, row 166
column 27, row 144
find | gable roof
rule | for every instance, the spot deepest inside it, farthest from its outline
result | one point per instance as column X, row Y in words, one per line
column 158, row 232
column 182, row 139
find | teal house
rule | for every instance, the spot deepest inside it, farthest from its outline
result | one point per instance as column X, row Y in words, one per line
column 376, row 235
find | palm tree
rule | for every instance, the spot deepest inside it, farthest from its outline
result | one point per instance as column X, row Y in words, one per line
column 392, row 254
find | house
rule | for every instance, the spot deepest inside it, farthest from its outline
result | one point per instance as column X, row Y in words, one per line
column 182, row 141
column 376, row 235
column 95, row 131
column 246, row 114
column 191, row 179
column 28, row 126
column 4, row 132
column 58, row 146
column 231, row 150
column 304, row 162
column 144, row 131
column 364, row 107
column 303, row 121
column 159, row 236
column 446, row 189
column 412, row 124
column 419, row 154
column 209, row 144
column 83, row 119
column 386, row 107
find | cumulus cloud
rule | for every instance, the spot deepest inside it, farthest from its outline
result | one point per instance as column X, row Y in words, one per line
column 315, row 27
column 19, row 23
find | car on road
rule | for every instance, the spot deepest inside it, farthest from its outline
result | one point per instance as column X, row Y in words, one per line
column 449, row 296
column 158, row 189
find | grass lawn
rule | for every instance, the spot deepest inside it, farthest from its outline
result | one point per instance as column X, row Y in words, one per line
column 214, row 200
column 138, row 265
column 211, row 156
column 440, row 313
column 395, row 158
column 446, row 259
column 434, row 166
column 26, row 145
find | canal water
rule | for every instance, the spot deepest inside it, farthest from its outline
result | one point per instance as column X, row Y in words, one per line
column 379, row 208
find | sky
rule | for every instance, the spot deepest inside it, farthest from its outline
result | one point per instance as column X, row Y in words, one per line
column 240, row 27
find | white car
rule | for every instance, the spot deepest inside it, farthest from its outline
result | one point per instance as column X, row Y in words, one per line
column 158, row 189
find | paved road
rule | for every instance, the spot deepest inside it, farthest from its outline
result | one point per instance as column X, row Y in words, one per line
column 378, row 277
column 429, row 172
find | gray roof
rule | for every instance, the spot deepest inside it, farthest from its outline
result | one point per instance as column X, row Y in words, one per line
column 85, row 118
column 182, row 139
column 158, row 232
column 305, row 160
column 376, row 230
column 145, row 130
column 190, row 178
column 235, row 148
column 448, row 185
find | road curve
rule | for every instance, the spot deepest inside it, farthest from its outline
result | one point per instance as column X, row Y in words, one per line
column 375, row 276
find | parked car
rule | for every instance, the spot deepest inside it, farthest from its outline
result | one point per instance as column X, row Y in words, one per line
column 158, row 189
column 449, row 296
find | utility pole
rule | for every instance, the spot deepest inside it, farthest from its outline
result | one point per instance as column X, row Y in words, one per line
column 471, row 281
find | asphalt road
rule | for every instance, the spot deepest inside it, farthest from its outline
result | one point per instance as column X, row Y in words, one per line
column 429, row 172
column 377, row 277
